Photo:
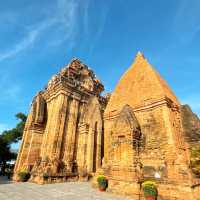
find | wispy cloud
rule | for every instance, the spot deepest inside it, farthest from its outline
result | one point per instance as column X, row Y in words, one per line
column 64, row 21
column 187, row 20
column 26, row 42
column 86, row 17
column 99, row 26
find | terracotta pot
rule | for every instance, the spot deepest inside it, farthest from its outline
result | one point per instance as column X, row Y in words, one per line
column 102, row 189
column 150, row 198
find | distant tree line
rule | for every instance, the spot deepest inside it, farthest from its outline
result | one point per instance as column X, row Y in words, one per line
column 9, row 137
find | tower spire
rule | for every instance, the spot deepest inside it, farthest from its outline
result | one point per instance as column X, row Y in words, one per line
column 140, row 83
column 140, row 55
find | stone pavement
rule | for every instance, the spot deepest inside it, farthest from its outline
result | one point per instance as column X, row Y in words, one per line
column 57, row 191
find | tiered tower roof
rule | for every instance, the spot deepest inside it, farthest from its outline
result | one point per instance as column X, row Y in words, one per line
column 140, row 84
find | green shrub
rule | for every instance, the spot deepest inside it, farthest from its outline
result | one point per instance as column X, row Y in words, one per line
column 149, row 189
column 102, row 181
column 45, row 176
column 195, row 161
column 24, row 175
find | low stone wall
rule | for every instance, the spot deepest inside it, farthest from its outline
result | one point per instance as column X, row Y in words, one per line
column 175, row 192
column 52, row 179
column 166, row 191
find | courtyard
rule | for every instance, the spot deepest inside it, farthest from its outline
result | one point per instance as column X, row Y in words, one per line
column 59, row 191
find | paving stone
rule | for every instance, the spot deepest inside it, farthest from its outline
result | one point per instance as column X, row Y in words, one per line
column 58, row 191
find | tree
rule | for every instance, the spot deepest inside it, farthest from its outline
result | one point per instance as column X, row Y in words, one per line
column 5, row 154
column 15, row 134
column 8, row 137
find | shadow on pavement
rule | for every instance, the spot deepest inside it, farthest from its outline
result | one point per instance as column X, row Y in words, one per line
column 5, row 180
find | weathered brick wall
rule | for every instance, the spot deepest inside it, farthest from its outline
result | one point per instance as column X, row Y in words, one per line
column 191, row 125
column 31, row 143
column 51, row 139
column 163, row 151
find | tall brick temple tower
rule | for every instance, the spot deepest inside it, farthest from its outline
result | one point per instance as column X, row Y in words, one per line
column 144, row 137
column 64, row 129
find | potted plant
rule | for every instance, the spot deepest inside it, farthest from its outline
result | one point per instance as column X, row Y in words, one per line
column 45, row 176
column 24, row 175
column 102, row 182
column 150, row 190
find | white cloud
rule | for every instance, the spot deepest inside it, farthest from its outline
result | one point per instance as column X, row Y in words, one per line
column 30, row 38
column 64, row 19
column 99, row 25
column 86, row 17
column 100, row 29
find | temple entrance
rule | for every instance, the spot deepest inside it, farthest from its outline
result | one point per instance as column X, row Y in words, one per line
column 121, row 149
column 125, row 129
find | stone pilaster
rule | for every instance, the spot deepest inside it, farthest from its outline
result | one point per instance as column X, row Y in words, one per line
column 177, row 169
column 82, row 146
column 30, row 147
column 53, row 117
column 22, row 153
column 34, row 149
column 50, row 106
column 90, row 149
column 107, row 139
column 23, row 150
column 99, row 147
column 56, row 126
column 71, row 134
column 62, row 124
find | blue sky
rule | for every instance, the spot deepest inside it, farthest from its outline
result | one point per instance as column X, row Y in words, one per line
column 38, row 37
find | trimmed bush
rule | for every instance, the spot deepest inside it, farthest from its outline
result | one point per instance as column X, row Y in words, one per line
column 45, row 176
column 24, row 175
column 149, row 189
column 103, row 182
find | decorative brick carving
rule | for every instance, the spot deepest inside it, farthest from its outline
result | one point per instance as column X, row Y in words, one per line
column 53, row 141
